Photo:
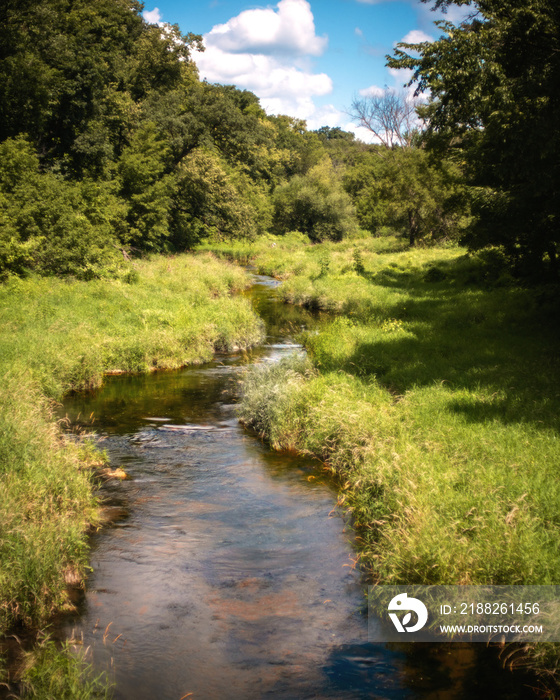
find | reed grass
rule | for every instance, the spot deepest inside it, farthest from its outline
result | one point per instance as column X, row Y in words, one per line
column 55, row 672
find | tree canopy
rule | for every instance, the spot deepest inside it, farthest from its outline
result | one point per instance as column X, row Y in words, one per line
column 110, row 143
column 112, row 146
column 495, row 107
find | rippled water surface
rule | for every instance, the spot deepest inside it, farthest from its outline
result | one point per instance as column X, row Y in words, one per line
column 228, row 574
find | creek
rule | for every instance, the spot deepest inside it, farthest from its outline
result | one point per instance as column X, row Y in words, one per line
column 227, row 571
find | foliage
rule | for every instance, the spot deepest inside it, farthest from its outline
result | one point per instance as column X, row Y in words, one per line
column 207, row 203
column 495, row 104
column 111, row 145
column 342, row 147
column 51, row 225
column 407, row 189
column 299, row 149
column 315, row 204
column 60, row 62
column 146, row 188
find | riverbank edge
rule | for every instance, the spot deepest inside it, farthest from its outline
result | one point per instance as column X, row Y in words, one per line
column 28, row 423
column 288, row 427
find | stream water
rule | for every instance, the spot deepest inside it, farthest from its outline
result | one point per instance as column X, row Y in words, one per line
column 227, row 573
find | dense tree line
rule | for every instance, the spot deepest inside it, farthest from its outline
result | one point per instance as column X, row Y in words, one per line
column 111, row 145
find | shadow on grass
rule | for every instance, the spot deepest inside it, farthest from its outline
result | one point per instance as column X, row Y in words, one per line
column 499, row 343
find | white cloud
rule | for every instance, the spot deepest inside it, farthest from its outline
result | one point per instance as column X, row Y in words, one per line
column 289, row 30
column 360, row 132
column 372, row 91
column 299, row 106
column 456, row 13
column 401, row 76
column 266, row 51
column 416, row 36
column 153, row 16
column 282, row 87
column 327, row 115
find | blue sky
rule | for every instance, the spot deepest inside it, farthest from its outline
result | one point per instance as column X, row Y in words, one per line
column 304, row 58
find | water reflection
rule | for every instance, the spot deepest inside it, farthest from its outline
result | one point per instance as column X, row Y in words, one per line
column 231, row 577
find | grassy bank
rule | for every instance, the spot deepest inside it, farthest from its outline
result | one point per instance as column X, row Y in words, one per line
column 54, row 672
column 57, row 336
column 173, row 312
column 434, row 393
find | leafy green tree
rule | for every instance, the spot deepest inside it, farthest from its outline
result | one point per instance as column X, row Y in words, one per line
column 58, row 59
column 46, row 223
column 343, row 147
column 495, row 104
column 314, row 204
column 178, row 115
column 147, row 187
column 399, row 184
column 236, row 126
column 409, row 190
column 302, row 149
column 16, row 255
column 206, row 202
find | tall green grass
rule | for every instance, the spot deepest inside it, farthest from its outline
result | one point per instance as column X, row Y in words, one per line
column 293, row 255
column 51, row 672
column 435, row 496
column 46, row 506
column 177, row 311
column 434, row 394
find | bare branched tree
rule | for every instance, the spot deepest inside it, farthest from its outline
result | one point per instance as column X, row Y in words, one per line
column 390, row 116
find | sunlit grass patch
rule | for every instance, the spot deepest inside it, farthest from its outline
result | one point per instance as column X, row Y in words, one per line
column 46, row 506
column 436, row 497
column 179, row 311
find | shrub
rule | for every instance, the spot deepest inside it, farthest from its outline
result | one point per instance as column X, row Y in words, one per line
column 314, row 204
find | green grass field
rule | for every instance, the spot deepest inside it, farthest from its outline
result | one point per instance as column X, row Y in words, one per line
column 66, row 334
